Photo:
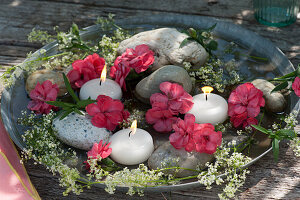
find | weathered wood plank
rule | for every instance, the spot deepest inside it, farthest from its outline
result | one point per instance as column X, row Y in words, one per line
column 17, row 18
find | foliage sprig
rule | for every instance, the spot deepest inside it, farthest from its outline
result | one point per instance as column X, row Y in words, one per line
column 68, row 108
column 201, row 36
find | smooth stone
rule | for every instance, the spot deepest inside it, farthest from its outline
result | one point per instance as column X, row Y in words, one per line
column 150, row 85
column 172, row 157
column 275, row 102
column 165, row 43
column 78, row 131
column 43, row 75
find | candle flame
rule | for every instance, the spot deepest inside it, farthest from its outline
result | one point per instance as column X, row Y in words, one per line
column 133, row 127
column 207, row 89
column 103, row 74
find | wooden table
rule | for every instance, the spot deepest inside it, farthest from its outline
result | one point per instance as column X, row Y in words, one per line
column 268, row 180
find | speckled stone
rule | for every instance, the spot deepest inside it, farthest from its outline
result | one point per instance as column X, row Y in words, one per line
column 167, row 154
column 77, row 131
column 275, row 101
column 172, row 73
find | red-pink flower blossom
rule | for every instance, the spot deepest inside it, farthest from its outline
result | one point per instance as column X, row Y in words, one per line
column 207, row 139
column 245, row 101
column 119, row 72
column 183, row 135
column 97, row 61
column 107, row 112
column 296, row 86
column 41, row 93
column 243, row 120
column 99, row 150
column 161, row 117
column 85, row 70
column 139, row 59
column 178, row 100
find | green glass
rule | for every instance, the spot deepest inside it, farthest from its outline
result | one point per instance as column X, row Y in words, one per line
column 276, row 12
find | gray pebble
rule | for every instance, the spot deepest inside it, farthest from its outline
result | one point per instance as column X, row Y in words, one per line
column 150, row 85
column 167, row 156
column 77, row 131
column 275, row 102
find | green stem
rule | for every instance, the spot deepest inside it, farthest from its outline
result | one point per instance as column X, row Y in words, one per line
column 254, row 57
column 170, row 168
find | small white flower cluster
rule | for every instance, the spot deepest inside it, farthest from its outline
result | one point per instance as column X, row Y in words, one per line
column 40, row 36
column 108, row 49
column 109, row 45
column 232, row 166
column 95, row 170
column 44, row 148
column 62, row 62
column 291, row 120
column 213, row 74
column 187, row 66
column 134, row 179
column 137, row 115
column 295, row 145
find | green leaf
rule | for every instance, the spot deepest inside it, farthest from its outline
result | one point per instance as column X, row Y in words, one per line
column 59, row 113
column 184, row 42
column 285, row 134
column 292, row 74
column 192, row 33
column 280, row 87
column 212, row 45
column 211, row 28
column 60, row 104
column 66, row 113
column 111, row 165
column 75, row 30
column 261, row 129
column 298, row 70
column 78, row 111
column 84, row 103
column 185, row 32
column 69, row 89
column 109, row 162
column 275, row 145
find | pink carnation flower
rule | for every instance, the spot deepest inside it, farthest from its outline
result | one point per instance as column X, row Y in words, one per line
column 41, row 93
column 245, row 101
column 161, row 118
column 243, row 120
column 119, row 72
column 97, row 61
column 207, row 139
column 183, row 135
column 177, row 99
column 139, row 59
column 296, row 86
column 107, row 112
column 85, row 70
column 99, row 150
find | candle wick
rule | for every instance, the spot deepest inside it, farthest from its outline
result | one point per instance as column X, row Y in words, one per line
column 129, row 133
column 100, row 82
column 206, row 97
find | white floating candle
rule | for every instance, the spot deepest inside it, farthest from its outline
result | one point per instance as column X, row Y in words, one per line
column 96, row 87
column 131, row 146
column 209, row 108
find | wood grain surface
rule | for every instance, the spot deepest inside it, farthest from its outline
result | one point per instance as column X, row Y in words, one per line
column 268, row 179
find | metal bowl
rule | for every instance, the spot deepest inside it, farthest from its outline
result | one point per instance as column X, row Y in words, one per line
column 15, row 98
